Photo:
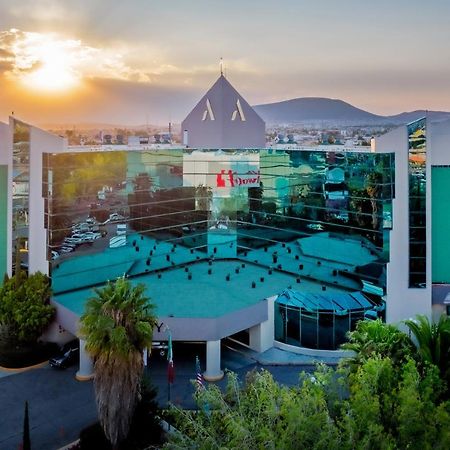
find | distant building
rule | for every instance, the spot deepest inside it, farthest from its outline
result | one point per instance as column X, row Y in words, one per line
column 223, row 119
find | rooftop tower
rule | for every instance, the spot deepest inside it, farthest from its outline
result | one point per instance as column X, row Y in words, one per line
column 223, row 119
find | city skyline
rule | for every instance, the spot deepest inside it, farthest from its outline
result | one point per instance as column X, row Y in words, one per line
column 151, row 61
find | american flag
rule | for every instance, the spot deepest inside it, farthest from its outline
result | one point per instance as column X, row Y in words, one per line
column 199, row 377
column 170, row 367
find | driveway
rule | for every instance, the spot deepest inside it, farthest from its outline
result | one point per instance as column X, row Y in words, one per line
column 59, row 407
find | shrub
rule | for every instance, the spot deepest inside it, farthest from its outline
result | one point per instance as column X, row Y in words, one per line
column 25, row 310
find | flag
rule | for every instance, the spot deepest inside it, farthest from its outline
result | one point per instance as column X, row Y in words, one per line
column 170, row 367
column 199, row 377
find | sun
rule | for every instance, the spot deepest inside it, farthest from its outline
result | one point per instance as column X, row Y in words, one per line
column 48, row 64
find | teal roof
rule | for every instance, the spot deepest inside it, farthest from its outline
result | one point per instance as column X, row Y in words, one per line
column 338, row 302
column 164, row 267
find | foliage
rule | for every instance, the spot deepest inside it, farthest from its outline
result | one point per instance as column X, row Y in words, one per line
column 117, row 325
column 433, row 341
column 379, row 406
column 263, row 414
column 375, row 338
column 25, row 310
column 388, row 408
column 83, row 175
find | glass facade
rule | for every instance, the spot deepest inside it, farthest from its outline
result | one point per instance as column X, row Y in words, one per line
column 417, row 146
column 323, row 218
column 258, row 197
column 321, row 322
column 20, row 193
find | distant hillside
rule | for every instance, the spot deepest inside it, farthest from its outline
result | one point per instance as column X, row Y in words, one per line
column 406, row 117
column 318, row 110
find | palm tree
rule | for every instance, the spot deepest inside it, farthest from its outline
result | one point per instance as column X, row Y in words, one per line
column 375, row 338
column 432, row 340
column 117, row 325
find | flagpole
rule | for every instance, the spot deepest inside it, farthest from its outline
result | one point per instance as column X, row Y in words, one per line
column 170, row 368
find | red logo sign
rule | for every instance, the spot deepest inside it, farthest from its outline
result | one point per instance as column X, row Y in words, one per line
column 233, row 179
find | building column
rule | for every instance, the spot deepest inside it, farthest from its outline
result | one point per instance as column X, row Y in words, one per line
column 262, row 335
column 213, row 372
column 86, row 369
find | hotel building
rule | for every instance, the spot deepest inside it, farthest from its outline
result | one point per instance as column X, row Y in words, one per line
column 276, row 247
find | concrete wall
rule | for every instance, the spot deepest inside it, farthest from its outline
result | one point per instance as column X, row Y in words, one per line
column 403, row 302
column 189, row 329
column 439, row 134
column 213, row 329
column 40, row 142
column 6, row 160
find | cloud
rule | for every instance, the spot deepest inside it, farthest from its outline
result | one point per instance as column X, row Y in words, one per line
column 6, row 61
column 25, row 52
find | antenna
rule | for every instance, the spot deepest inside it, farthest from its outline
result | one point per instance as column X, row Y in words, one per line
column 221, row 66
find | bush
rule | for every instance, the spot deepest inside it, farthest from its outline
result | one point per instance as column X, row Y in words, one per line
column 25, row 310
column 375, row 338
column 379, row 406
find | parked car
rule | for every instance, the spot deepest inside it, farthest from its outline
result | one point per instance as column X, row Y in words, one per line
column 70, row 354
column 72, row 242
column 315, row 226
column 66, row 249
column 115, row 216
column 77, row 235
column 80, row 227
column 91, row 236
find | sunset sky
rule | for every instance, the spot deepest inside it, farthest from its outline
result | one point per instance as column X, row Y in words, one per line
column 129, row 62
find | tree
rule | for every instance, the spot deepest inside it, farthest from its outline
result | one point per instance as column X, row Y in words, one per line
column 373, row 189
column 392, row 407
column 379, row 406
column 261, row 414
column 375, row 338
column 117, row 325
column 145, row 431
column 26, row 442
column 255, row 195
column 433, row 341
column 25, row 309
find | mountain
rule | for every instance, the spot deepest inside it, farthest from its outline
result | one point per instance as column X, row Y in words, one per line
column 406, row 117
column 317, row 110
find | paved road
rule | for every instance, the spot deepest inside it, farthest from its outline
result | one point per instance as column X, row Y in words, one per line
column 60, row 406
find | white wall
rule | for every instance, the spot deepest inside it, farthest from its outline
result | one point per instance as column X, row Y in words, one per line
column 6, row 159
column 403, row 302
column 40, row 142
column 439, row 134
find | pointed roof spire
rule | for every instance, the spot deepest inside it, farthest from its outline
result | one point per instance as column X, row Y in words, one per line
column 223, row 119
column 221, row 66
